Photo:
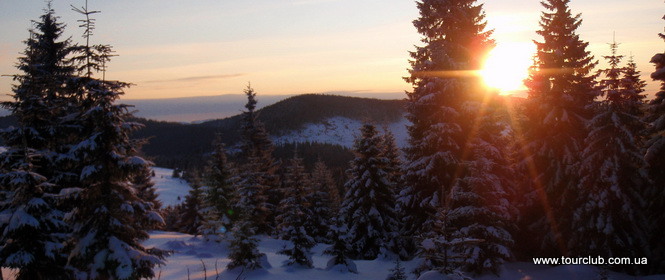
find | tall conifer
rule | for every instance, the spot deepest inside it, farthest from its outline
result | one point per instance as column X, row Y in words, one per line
column 561, row 89
column 454, row 41
column 257, row 183
column 109, row 220
column 296, row 219
column 607, row 216
column 369, row 202
column 655, row 156
column 219, row 196
column 32, row 231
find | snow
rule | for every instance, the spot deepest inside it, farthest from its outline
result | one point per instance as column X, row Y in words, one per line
column 340, row 131
column 171, row 191
column 192, row 253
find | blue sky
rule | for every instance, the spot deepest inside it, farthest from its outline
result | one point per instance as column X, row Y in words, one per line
column 172, row 48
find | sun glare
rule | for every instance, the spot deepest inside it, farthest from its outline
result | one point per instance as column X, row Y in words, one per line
column 507, row 66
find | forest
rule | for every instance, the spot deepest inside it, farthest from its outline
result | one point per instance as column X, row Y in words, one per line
column 576, row 169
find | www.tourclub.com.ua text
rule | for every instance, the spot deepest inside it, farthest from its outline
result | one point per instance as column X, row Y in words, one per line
column 589, row 260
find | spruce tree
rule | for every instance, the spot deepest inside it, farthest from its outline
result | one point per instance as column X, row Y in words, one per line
column 109, row 221
column 296, row 218
column 243, row 246
column 454, row 41
column 323, row 180
column 32, row 229
column 561, row 89
column 339, row 251
column 395, row 175
column 219, row 196
column 655, row 157
column 146, row 191
column 191, row 218
column 257, row 184
column 479, row 208
column 436, row 247
column 397, row 272
column 369, row 202
column 39, row 97
column 145, row 188
column 392, row 153
column 607, row 215
column 324, row 202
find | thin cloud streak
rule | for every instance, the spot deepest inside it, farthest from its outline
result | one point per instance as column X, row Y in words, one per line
column 196, row 78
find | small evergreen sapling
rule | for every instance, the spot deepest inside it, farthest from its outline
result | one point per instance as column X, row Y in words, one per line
column 397, row 272
column 339, row 251
column 243, row 247
column 191, row 217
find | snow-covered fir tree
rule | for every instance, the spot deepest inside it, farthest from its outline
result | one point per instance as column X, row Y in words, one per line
column 339, row 251
column 561, row 89
column 454, row 39
column 607, row 214
column 369, row 203
column 109, row 220
column 146, row 191
column 191, row 219
column 32, row 231
column 394, row 168
column 632, row 79
column 397, row 272
column 43, row 85
column 257, row 184
column 145, row 188
column 244, row 246
column 324, row 202
column 436, row 247
column 478, row 206
column 322, row 179
column 296, row 219
column 392, row 153
column 655, row 156
column 219, row 196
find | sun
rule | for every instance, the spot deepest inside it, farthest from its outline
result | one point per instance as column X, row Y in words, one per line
column 507, row 66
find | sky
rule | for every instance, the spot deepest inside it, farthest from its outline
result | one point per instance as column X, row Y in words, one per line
column 173, row 48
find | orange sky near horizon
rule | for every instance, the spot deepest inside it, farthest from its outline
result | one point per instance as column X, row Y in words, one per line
column 172, row 49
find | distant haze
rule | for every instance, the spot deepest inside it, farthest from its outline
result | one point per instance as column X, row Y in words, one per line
column 200, row 108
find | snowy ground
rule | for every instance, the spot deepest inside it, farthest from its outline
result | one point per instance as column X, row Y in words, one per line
column 171, row 191
column 191, row 253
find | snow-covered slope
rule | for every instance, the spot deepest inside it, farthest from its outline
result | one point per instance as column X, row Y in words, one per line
column 340, row 131
column 171, row 191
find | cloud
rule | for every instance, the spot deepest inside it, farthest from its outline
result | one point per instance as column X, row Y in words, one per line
column 196, row 78
column 308, row 2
